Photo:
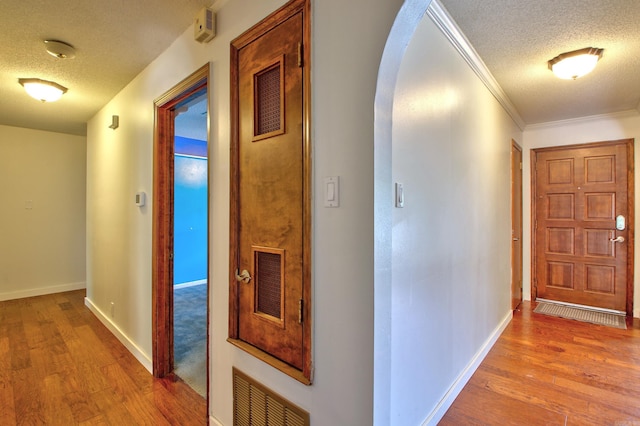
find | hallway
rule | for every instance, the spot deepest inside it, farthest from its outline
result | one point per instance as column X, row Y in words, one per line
column 60, row 366
column 553, row 371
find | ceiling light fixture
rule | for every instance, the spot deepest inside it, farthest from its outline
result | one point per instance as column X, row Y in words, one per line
column 572, row 65
column 60, row 49
column 42, row 90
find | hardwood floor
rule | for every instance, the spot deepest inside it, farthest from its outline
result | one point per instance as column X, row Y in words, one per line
column 553, row 371
column 60, row 366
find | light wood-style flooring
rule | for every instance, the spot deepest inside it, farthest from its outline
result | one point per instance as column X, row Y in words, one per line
column 553, row 371
column 60, row 366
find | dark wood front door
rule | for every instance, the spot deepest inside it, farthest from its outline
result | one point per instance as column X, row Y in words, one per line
column 582, row 194
column 270, row 194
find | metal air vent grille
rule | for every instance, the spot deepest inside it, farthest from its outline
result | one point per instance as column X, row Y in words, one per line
column 255, row 405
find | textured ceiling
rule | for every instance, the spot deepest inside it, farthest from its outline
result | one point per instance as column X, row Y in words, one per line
column 515, row 39
column 115, row 40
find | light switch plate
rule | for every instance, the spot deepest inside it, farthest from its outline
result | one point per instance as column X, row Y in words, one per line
column 399, row 195
column 332, row 191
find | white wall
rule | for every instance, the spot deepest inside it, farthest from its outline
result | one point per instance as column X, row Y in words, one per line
column 345, row 61
column 449, row 309
column 450, row 244
column 42, row 247
column 624, row 125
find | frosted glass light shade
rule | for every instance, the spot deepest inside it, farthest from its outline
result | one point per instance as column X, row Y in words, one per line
column 42, row 90
column 572, row 65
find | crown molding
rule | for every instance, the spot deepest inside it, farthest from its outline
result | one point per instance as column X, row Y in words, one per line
column 587, row 119
column 449, row 28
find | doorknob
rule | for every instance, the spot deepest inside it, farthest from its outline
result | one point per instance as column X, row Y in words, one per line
column 617, row 240
column 244, row 277
column 516, row 239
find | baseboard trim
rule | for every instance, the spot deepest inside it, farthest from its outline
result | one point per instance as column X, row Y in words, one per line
column 214, row 422
column 42, row 291
column 189, row 284
column 144, row 359
column 456, row 387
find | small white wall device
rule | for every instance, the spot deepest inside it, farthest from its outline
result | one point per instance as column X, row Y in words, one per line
column 332, row 191
column 204, row 26
column 140, row 199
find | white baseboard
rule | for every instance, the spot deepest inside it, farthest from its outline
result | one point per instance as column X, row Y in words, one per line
column 456, row 387
column 189, row 284
column 214, row 422
column 123, row 338
column 11, row 295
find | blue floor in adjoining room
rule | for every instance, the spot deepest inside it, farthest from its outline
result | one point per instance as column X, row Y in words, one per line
column 190, row 335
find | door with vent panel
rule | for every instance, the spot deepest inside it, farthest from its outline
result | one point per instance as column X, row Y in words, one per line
column 271, row 194
column 582, row 197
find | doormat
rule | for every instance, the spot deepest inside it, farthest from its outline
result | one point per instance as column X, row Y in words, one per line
column 579, row 314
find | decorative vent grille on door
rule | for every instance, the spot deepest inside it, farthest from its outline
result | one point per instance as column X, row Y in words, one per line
column 268, row 267
column 255, row 405
column 268, row 98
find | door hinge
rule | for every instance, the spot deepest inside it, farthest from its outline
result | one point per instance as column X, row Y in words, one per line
column 300, row 63
column 521, row 165
column 300, row 307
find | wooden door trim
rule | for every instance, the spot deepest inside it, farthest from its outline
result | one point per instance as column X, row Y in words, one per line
column 631, row 211
column 515, row 145
column 162, row 271
column 285, row 12
column 630, row 225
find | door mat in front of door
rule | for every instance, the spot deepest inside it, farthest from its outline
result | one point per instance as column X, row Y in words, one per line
column 579, row 314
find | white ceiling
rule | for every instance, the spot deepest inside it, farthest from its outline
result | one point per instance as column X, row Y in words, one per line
column 515, row 39
column 116, row 39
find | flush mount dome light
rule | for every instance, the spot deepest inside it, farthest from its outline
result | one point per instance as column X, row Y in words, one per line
column 572, row 65
column 60, row 49
column 42, row 90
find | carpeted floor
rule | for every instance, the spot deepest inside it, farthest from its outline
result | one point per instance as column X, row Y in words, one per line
column 190, row 336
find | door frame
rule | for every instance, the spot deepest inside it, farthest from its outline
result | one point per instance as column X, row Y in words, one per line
column 288, row 10
column 516, row 217
column 630, row 220
column 163, row 210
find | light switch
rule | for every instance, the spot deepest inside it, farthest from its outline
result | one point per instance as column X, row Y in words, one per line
column 28, row 204
column 332, row 191
column 399, row 195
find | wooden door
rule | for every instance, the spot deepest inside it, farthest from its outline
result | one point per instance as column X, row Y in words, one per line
column 270, row 239
column 516, row 225
column 580, row 256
